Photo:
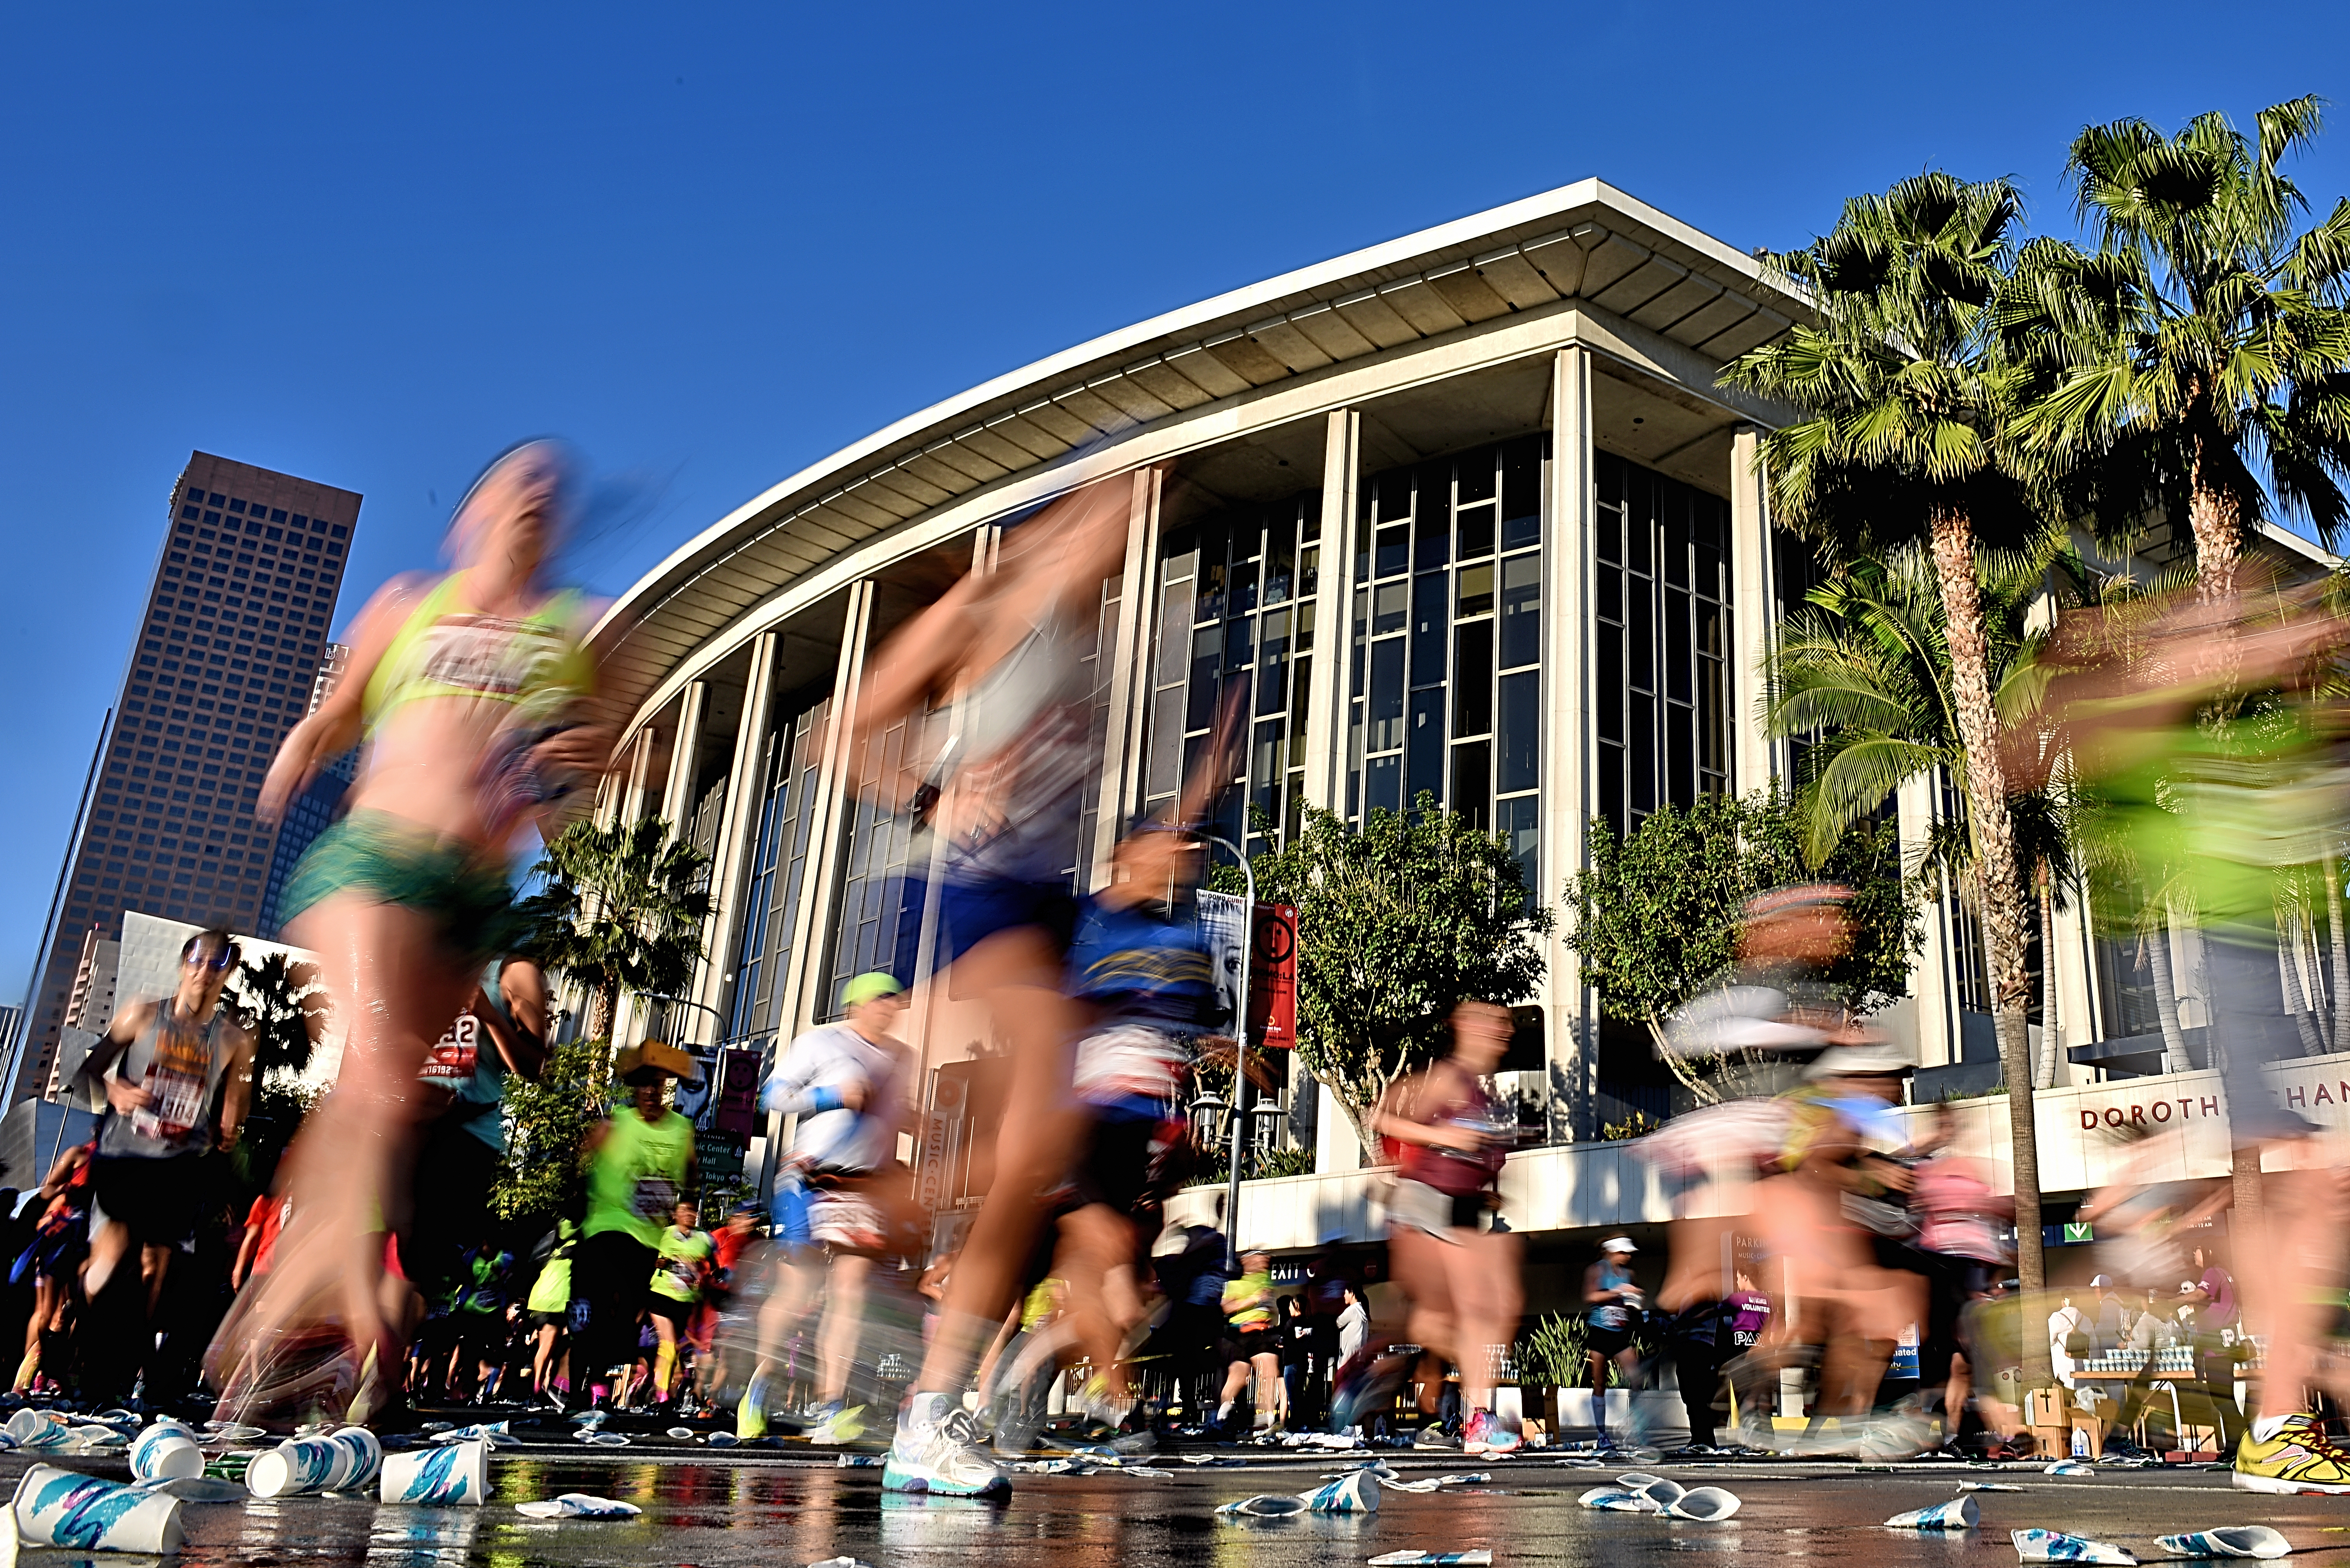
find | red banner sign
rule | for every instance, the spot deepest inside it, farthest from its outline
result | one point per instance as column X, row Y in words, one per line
column 1273, row 977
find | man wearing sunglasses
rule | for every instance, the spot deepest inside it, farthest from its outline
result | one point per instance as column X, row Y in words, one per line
column 162, row 1065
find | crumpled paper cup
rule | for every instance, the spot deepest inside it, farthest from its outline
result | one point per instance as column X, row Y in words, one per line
column 578, row 1505
column 1656, row 1490
column 451, row 1473
column 1960, row 1514
column 166, row 1451
column 2235, row 1541
column 39, row 1429
column 1267, row 1506
column 1705, row 1504
column 1616, row 1500
column 1355, row 1493
column 2055, row 1546
column 359, row 1459
column 1478, row 1559
column 63, row 1508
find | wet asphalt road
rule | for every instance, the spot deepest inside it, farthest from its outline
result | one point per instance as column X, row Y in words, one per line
column 783, row 1513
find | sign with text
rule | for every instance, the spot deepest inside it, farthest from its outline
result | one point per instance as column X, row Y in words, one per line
column 1272, row 966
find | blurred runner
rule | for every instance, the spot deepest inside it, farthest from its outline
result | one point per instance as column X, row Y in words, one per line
column 1005, row 648
column 472, row 694
column 550, row 1309
column 1455, row 1259
column 1613, row 1307
column 682, row 1267
column 640, row 1159
column 849, row 1084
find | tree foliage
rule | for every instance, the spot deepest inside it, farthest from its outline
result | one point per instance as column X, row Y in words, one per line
column 1655, row 917
column 541, row 1177
column 285, row 1005
column 621, row 907
column 1397, row 921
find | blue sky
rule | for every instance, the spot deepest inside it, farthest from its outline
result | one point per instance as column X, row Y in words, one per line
column 712, row 243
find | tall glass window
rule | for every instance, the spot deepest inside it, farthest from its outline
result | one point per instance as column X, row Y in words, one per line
column 1236, row 622
column 1444, row 677
column 778, row 859
column 1660, row 636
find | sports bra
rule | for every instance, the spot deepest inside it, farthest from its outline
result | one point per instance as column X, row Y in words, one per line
column 536, row 664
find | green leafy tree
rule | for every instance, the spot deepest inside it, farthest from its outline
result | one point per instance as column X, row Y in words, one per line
column 620, row 908
column 1656, row 916
column 1866, row 668
column 1396, row 923
column 547, row 1121
column 285, row 1005
column 2197, row 364
column 1904, row 405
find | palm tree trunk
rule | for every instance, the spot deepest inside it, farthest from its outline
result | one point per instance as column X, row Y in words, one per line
column 2005, row 922
column 2050, row 1041
column 2294, row 965
column 2165, row 993
column 2212, row 518
column 2331, row 870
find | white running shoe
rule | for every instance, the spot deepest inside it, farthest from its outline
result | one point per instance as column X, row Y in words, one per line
column 936, row 1450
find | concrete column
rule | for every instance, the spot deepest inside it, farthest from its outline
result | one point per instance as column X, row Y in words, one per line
column 639, row 776
column 1334, row 597
column 1127, row 656
column 1753, row 618
column 738, row 829
column 804, row 982
column 1930, row 977
column 1568, row 796
column 677, row 795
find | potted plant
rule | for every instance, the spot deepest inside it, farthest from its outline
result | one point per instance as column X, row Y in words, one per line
column 1550, row 1359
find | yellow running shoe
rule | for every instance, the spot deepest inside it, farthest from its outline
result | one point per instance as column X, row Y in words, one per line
column 2300, row 1458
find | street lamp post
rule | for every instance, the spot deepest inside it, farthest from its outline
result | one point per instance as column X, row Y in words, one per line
column 685, row 1002
column 1239, row 1113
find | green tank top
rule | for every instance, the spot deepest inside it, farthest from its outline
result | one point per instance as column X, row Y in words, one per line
column 536, row 663
column 551, row 1292
column 634, row 1180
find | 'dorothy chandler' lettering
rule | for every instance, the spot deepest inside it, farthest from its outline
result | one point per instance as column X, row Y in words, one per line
column 2145, row 1113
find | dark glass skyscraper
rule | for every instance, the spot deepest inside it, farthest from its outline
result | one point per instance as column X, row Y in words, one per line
column 236, row 621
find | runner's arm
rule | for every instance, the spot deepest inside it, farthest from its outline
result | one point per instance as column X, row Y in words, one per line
column 519, row 1028
column 337, row 726
column 237, row 1097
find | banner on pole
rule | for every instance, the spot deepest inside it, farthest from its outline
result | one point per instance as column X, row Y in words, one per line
column 1272, row 966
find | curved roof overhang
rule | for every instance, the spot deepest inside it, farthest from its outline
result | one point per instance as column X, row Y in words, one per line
column 1030, row 432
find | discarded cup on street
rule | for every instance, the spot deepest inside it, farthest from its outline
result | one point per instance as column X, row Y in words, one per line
column 578, row 1505
column 1472, row 1478
column 2055, row 1546
column 39, row 1429
column 494, row 1430
column 682, row 1434
column 166, row 1451
column 724, row 1439
column 1616, row 1500
column 1705, row 1504
column 840, row 1563
column 1355, row 1493
column 855, row 1462
column 196, row 1488
column 606, row 1439
column 64, row 1508
column 1268, row 1507
column 89, row 1437
column 2070, row 1468
column 1987, row 1486
column 1656, row 1490
column 297, row 1465
column 454, row 1473
column 1478, row 1559
column 1962, row 1514
column 2235, row 1541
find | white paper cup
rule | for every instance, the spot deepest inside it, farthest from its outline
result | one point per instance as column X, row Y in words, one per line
column 166, row 1451
column 1706, row 1504
column 359, row 1459
column 453, row 1473
column 39, row 1429
column 296, row 1465
column 1616, row 1500
column 1357, row 1492
column 2055, row 1546
column 64, row 1508
column 2235, row 1541
column 1958, row 1514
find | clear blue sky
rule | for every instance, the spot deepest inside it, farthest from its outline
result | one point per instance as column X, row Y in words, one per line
column 369, row 245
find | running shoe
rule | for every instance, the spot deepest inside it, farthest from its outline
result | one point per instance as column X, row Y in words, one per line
column 1434, row 1436
column 2300, row 1458
column 841, row 1426
column 1485, row 1434
column 936, row 1450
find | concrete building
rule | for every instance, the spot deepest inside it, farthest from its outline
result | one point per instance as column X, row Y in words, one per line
column 1467, row 511
column 224, row 661
column 310, row 813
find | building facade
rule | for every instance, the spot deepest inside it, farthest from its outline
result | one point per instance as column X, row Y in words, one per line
column 309, row 813
column 223, row 665
column 1467, row 515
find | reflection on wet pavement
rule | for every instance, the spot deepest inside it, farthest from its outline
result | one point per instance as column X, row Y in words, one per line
column 784, row 1514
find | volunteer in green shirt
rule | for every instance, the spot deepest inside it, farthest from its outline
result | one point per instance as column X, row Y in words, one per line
column 638, row 1161
column 684, row 1252
column 549, row 1305
column 1248, row 1317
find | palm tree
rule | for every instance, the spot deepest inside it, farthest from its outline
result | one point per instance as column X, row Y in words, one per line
column 2202, row 353
column 1904, row 404
column 286, row 1006
column 1867, row 669
column 622, row 906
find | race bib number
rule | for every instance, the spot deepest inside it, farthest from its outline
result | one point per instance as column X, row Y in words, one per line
column 177, row 1078
column 455, row 1056
column 685, row 1273
column 656, row 1196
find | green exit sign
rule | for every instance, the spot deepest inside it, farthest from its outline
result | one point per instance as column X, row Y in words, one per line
column 2075, row 1234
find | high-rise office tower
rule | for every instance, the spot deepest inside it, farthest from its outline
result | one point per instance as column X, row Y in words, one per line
column 308, row 814
column 225, row 664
